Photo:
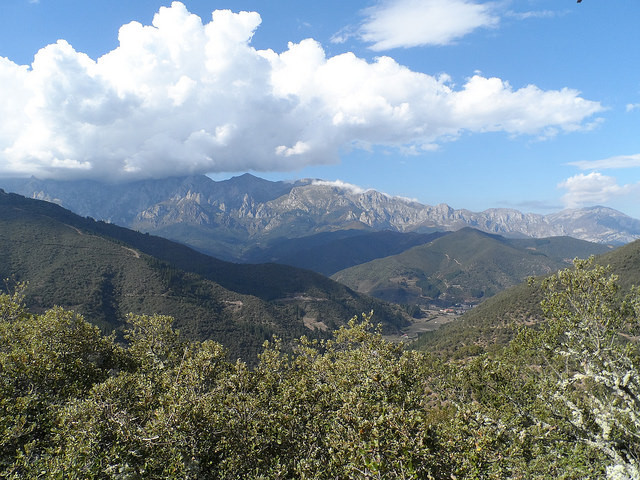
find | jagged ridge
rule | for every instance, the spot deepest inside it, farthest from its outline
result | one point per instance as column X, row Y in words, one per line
column 228, row 218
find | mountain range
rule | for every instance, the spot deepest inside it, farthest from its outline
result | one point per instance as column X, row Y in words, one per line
column 104, row 271
column 375, row 245
column 245, row 218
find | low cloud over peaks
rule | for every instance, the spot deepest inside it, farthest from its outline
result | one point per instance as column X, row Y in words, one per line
column 354, row 189
column 181, row 96
column 593, row 189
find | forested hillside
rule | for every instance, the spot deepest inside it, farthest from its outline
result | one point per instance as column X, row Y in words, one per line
column 330, row 252
column 463, row 266
column 104, row 272
column 494, row 322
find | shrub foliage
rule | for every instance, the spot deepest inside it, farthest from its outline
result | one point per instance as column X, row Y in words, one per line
column 561, row 401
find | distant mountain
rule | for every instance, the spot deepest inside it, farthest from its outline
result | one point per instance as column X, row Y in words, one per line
column 466, row 266
column 104, row 271
column 122, row 203
column 235, row 218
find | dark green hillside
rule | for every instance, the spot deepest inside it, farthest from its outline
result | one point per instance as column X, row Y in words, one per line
column 625, row 262
column 330, row 252
column 561, row 248
column 492, row 321
column 489, row 324
column 464, row 266
column 104, row 280
column 104, row 271
column 220, row 243
column 309, row 294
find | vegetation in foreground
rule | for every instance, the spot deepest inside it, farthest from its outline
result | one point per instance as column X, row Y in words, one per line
column 560, row 401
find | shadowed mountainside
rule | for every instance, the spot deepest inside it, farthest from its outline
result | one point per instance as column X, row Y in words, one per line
column 466, row 266
column 104, row 271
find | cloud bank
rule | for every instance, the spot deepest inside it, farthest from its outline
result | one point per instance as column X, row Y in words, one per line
column 354, row 189
column 180, row 96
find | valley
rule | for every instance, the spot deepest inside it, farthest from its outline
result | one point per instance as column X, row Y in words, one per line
column 392, row 256
column 430, row 319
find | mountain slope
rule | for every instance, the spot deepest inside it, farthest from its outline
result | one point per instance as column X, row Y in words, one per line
column 464, row 266
column 330, row 252
column 105, row 271
column 492, row 321
column 231, row 218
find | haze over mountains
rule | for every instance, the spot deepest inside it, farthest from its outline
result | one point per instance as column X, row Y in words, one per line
column 240, row 219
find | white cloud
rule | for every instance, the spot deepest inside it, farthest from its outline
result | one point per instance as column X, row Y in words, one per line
column 356, row 190
column 620, row 161
column 341, row 185
column 411, row 23
column 632, row 106
column 592, row 189
column 344, row 34
column 180, row 97
column 299, row 148
column 491, row 104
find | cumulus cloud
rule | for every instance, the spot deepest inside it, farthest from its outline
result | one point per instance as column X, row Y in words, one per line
column 412, row 23
column 620, row 161
column 180, row 96
column 592, row 189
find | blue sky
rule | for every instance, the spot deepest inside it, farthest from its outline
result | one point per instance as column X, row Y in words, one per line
column 528, row 104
